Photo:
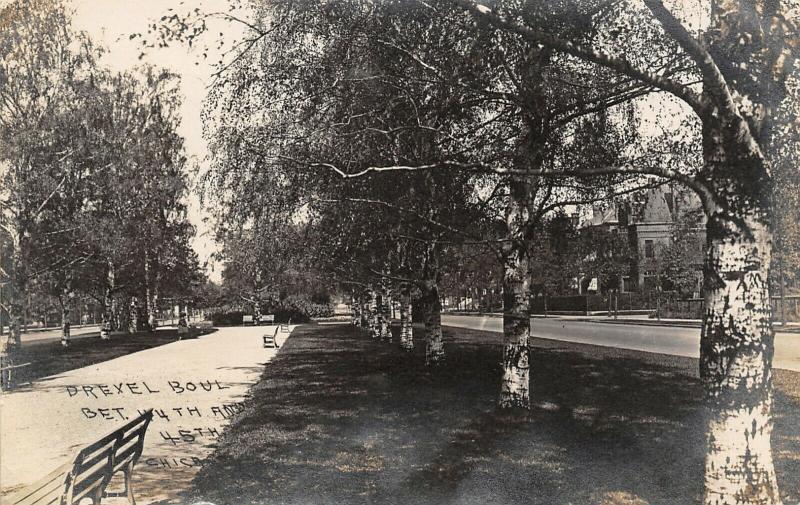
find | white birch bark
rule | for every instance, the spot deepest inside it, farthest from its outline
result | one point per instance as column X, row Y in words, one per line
column 406, row 325
column 374, row 314
column 736, row 368
column 152, row 275
column 133, row 316
column 515, row 385
column 183, row 325
column 386, row 315
column 108, row 303
column 65, row 313
column 515, row 382
column 365, row 319
column 434, row 348
column 355, row 311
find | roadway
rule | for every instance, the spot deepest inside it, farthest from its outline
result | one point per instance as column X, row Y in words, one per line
column 678, row 341
column 91, row 330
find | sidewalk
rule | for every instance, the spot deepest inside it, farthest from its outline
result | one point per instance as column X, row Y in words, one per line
column 195, row 385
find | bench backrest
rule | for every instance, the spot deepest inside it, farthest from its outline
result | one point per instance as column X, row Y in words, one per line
column 91, row 470
column 131, row 441
column 269, row 340
column 268, row 318
column 96, row 464
column 247, row 318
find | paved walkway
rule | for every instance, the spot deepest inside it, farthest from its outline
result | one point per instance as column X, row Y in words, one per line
column 195, row 385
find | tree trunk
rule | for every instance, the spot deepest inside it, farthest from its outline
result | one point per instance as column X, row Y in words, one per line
column 133, row 318
column 386, row 315
column 737, row 337
column 374, row 314
column 406, row 325
column 355, row 311
column 736, row 353
column 15, row 315
column 152, row 276
column 434, row 347
column 65, row 324
column 17, row 303
column 256, row 310
column 108, row 304
column 64, row 300
column 9, row 342
column 515, row 386
column 365, row 319
column 12, row 341
column 119, row 320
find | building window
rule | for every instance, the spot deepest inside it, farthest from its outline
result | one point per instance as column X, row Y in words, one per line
column 649, row 252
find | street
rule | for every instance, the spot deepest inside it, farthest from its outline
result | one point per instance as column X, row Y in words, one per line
column 92, row 330
column 657, row 339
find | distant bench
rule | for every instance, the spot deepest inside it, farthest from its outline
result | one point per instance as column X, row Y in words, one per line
column 6, row 380
column 266, row 318
column 270, row 339
column 92, row 469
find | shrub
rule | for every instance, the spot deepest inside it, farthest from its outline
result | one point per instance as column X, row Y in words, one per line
column 292, row 308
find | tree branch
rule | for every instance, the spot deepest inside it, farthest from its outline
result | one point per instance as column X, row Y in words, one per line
column 714, row 80
column 694, row 99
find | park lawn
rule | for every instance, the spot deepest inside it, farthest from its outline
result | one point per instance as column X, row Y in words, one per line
column 50, row 357
column 339, row 418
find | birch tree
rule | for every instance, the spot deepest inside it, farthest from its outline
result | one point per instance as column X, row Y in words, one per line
column 742, row 59
column 44, row 68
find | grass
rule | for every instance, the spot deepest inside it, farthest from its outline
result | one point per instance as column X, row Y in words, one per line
column 49, row 357
column 340, row 418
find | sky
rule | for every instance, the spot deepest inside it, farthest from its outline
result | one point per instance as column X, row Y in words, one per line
column 110, row 22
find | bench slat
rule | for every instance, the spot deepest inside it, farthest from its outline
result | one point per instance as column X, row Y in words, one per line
column 125, row 457
column 99, row 444
column 97, row 457
column 76, row 498
column 47, row 493
column 33, row 494
column 138, row 432
column 90, row 482
column 143, row 419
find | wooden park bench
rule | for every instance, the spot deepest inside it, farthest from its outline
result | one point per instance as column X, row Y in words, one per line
column 285, row 326
column 269, row 339
column 6, row 378
column 247, row 318
column 89, row 474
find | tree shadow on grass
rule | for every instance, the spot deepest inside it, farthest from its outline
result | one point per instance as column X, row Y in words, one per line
column 341, row 418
